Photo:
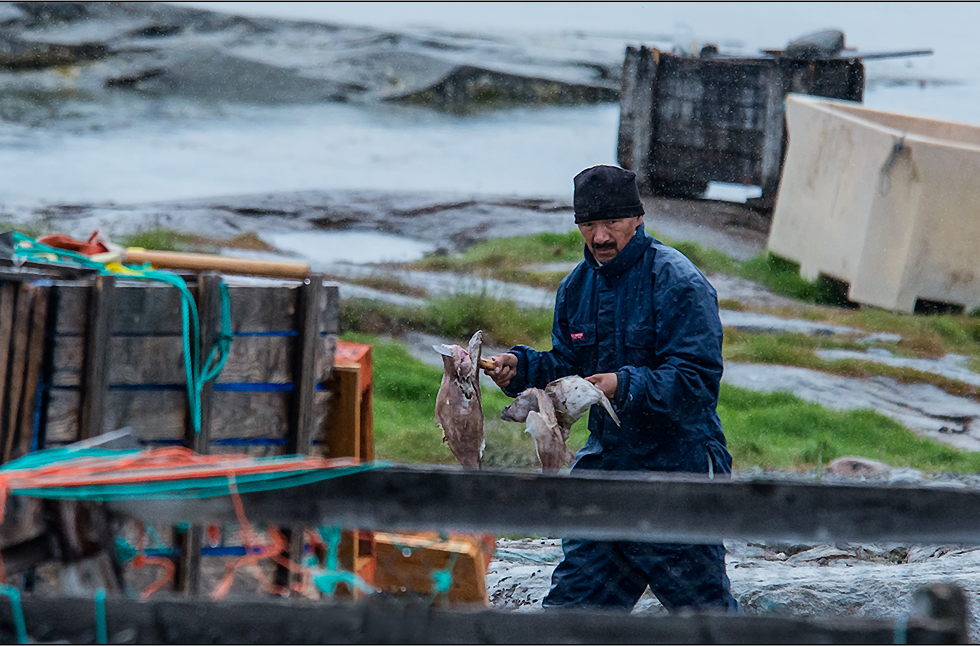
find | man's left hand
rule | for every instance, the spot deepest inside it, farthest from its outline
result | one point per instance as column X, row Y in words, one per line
column 606, row 382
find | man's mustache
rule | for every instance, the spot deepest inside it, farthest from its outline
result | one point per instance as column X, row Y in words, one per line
column 601, row 246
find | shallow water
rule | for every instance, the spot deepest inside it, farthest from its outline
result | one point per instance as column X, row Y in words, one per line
column 248, row 149
column 349, row 246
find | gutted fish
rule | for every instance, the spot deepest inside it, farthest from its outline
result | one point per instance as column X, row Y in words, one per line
column 549, row 439
column 573, row 396
column 459, row 409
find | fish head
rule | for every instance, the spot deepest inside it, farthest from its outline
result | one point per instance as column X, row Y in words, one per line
column 475, row 347
column 517, row 410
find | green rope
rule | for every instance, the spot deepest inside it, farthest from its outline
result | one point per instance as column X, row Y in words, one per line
column 17, row 610
column 28, row 247
column 101, row 630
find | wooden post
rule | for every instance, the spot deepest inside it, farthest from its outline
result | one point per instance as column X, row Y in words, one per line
column 8, row 300
column 18, row 356
column 304, row 364
column 32, row 372
column 209, row 315
column 645, row 116
column 95, row 376
column 302, row 417
column 187, row 578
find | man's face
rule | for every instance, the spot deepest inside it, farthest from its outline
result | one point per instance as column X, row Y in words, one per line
column 606, row 238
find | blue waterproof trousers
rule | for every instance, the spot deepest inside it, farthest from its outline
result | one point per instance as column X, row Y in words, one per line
column 614, row 574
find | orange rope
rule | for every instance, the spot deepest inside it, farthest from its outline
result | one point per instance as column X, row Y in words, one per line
column 178, row 463
column 250, row 540
column 141, row 560
column 154, row 465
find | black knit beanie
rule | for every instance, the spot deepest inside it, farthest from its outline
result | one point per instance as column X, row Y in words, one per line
column 606, row 193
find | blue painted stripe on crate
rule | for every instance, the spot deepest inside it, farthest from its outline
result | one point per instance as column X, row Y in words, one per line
column 250, row 441
column 282, row 333
column 261, row 387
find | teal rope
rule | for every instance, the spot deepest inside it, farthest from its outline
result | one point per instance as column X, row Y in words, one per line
column 900, row 634
column 101, row 630
column 177, row 489
column 331, row 575
column 442, row 580
column 17, row 610
column 190, row 325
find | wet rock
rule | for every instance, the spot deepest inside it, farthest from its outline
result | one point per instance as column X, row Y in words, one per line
column 766, row 323
column 821, row 555
column 856, row 467
column 952, row 366
column 169, row 50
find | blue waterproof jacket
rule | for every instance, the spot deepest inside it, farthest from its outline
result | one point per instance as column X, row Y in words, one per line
column 652, row 318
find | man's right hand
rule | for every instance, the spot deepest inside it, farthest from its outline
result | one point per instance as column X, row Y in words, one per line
column 504, row 368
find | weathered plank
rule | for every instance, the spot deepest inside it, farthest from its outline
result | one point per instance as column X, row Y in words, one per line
column 160, row 360
column 343, row 431
column 330, row 307
column 306, row 349
column 95, row 368
column 149, row 308
column 35, row 361
column 603, row 506
column 8, row 298
column 16, row 367
column 377, row 621
column 161, row 414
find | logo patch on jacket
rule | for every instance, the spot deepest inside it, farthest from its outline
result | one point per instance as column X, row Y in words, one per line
column 577, row 336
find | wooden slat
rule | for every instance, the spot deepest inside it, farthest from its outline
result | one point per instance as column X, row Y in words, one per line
column 304, row 362
column 96, row 357
column 149, row 308
column 603, row 506
column 187, row 577
column 8, row 298
column 160, row 360
column 35, row 362
column 17, row 367
column 374, row 621
column 161, row 414
column 344, row 422
column 330, row 308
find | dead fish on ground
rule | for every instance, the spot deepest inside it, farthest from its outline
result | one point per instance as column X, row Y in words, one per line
column 459, row 408
column 549, row 438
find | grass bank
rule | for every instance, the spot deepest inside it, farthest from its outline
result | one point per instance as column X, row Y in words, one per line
column 771, row 430
column 455, row 317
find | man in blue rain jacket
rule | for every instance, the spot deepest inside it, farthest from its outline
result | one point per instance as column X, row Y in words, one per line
column 637, row 319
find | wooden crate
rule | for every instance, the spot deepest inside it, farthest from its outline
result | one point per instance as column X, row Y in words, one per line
column 407, row 562
column 686, row 121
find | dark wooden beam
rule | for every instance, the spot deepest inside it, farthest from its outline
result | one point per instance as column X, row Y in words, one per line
column 95, row 369
column 302, row 413
column 656, row 507
column 377, row 621
column 304, row 363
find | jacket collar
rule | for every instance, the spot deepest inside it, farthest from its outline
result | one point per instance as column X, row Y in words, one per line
column 625, row 259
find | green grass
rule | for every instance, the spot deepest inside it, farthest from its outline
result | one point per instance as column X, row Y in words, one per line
column 454, row 317
column 506, row 258
column 771, row 430
column 780, row 430
column 510, row 253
